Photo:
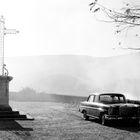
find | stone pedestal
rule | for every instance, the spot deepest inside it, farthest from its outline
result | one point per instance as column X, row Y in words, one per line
column 4, row 92
column 6, row 112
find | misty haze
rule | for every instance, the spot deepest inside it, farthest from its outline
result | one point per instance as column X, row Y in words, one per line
column 76, row 74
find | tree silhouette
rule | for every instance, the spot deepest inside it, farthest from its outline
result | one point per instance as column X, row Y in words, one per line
column 125, row 18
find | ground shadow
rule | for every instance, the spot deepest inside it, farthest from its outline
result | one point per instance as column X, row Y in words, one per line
column 15, row 127
column 125, row 125
column 122, row 125
column 12, row 125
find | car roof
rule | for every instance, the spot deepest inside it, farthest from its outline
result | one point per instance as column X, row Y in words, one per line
column 107, row 93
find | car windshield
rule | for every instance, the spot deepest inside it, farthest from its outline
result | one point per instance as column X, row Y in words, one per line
column 111, row 99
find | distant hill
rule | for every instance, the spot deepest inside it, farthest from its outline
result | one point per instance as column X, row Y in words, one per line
column 76, row 75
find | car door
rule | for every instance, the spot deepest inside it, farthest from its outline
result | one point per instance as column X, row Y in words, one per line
column 91, row 105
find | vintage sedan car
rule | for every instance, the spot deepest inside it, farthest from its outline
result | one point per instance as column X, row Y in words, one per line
column 109, row 106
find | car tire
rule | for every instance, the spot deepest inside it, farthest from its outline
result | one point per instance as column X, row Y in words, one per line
column 103, row 119
column 85, row 115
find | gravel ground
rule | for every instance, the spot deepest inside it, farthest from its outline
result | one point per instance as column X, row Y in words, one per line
column 57, row 121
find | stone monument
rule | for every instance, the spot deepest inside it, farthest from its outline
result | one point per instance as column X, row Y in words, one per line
column 6, row 111
column 4, row 78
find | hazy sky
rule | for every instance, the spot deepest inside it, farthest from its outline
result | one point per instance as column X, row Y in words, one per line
column 59, row 27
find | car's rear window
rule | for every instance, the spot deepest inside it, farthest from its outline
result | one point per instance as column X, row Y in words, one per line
column 112, row 99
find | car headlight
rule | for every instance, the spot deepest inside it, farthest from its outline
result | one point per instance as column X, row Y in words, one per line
column 113, row 111
column 110, row 111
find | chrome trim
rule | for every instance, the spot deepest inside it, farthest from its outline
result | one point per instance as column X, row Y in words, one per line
column 87, row 107
column 110, row 117
column 93, row 116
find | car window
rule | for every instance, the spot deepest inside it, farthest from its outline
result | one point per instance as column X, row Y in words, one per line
column 105, row 98
column 121, row 99
column 112, row 99
column 91, row 98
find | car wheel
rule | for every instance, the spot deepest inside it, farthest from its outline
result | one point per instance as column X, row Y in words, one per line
column 85, row 115
column 103, row 119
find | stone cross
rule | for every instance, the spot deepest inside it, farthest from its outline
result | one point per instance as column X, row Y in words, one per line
column 3, row 32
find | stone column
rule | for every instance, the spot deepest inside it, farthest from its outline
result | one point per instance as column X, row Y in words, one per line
column 4, row 92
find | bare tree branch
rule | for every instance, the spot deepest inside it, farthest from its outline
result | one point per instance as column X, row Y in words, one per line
column 127, row 15
column 125, row 18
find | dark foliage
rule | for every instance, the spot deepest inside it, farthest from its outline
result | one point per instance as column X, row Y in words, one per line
column 133, row 101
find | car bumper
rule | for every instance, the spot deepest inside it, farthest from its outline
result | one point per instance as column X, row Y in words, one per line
column 115, row 117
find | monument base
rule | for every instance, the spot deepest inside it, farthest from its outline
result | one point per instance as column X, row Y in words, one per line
column 5, row 108
column 6, row 112
column 14, row 115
